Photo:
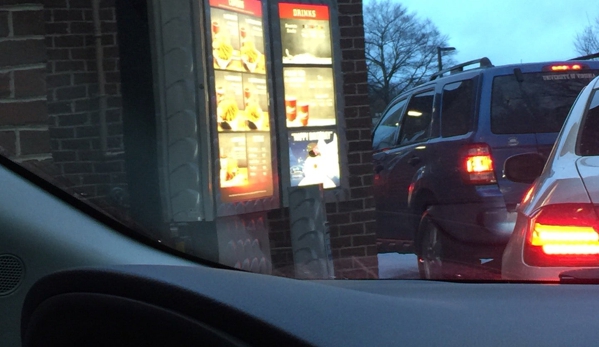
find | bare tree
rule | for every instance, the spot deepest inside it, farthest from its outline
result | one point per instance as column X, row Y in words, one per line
column 587, row 42
column 401, row 50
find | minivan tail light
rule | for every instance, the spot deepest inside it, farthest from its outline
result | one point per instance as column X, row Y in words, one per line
column 477, row 165
column 563, row 235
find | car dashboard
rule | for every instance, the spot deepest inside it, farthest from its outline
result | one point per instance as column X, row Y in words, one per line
column 190, row 305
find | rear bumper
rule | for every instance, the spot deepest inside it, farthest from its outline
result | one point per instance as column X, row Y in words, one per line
column 484, row 224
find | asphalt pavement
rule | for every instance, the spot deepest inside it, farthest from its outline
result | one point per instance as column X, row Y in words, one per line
column 398, row 266
column 404, row 266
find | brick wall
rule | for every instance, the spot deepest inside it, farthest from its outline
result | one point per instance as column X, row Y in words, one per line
column 24, row 133
column 353, row 235
column 73, row 98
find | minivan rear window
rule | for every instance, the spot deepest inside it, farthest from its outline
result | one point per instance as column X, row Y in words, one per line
column 534, row 102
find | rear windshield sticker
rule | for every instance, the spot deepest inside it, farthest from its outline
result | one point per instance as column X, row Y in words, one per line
column 569, row 76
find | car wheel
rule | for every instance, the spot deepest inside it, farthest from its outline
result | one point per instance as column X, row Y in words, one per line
column 430, row 257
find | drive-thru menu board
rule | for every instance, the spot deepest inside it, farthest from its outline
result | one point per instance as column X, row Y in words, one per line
column 240, row 87
column 310, row 107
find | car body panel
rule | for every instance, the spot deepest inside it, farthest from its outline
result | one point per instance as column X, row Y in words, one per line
column 564, row 179
column 403, row 176
column 502, row 148
column 588, row 168
column 556, row 189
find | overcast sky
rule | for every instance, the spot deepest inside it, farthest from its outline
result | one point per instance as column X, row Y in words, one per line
column 508, row 31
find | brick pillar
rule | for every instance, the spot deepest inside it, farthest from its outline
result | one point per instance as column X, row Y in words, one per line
column 353, row 233
column 352, row 225
column 24, row 132
column 73, row 105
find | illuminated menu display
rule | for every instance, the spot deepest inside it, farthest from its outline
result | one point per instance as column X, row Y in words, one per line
column 310, row 106
column 305, row 34
column 314, row 158
column 309, row 96
column 241, row 94
column 245, row 162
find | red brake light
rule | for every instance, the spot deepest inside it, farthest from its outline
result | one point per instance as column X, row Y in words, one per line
column 563, row 235
column 565, row 67
column 477, row 164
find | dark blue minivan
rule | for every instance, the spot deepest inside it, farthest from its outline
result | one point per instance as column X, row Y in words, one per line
column 439, row 151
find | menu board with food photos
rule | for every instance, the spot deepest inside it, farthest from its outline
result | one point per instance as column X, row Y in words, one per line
column 310, row 105
column 241, row 96
column 245, row 166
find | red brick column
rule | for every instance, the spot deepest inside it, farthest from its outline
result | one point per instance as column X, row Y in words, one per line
column 73, row 105
column 353, row 235
column 24, row 132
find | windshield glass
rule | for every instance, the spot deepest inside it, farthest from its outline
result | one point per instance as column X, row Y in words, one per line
column 241, row 132
column 538, row 103
column 589, row 136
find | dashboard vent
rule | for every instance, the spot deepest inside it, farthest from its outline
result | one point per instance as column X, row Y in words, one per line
column 11, row 273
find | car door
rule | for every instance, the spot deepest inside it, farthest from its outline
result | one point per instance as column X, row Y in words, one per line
column 384, row 139
column 406, row 160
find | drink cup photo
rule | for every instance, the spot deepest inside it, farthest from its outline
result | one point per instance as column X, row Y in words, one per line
column 291, row 108
column 247, row 94
column 303, row 113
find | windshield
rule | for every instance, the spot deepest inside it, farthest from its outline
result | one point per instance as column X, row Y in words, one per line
column 241, row 132
column 589, row 136
column 537, row 103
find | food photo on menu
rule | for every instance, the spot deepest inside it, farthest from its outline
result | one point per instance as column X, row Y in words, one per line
column 233, row 161
column 314, row 158
column 245, row 165
column 237, row 42
column 309, row 97
column 241, row 102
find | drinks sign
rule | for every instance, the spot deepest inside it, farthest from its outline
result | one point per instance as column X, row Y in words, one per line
column 305, row 34
column 310, row 107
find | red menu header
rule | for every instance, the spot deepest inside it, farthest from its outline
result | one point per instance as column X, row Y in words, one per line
column 303, row 11
column 252, row 7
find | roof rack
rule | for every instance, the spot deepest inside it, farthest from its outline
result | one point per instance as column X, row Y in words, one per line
column 587, row 57
column 483, row 62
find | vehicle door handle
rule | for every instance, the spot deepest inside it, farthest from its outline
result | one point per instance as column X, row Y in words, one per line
column 414, row 161
column 378, row 169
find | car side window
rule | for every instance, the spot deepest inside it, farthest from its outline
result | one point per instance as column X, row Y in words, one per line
column 589, row 136
column 417, row 119
column 457, row 108
column 384, row 135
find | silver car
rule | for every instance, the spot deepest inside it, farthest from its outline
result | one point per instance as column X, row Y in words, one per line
column 556, row 237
